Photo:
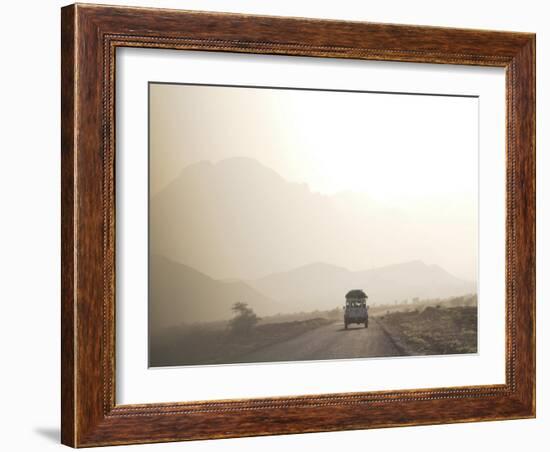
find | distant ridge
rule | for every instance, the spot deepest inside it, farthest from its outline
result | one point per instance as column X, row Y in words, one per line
column 323, row 286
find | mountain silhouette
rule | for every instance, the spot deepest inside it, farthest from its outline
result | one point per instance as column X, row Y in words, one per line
column 322, row 286
column 238, row 219
column 235, row 218
column 180, row 294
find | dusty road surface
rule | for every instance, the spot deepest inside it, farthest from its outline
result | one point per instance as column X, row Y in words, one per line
column 329, row 342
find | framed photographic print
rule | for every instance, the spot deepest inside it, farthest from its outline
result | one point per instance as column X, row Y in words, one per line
column 281, row 225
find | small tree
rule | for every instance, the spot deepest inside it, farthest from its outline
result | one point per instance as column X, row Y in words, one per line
column 244, row 320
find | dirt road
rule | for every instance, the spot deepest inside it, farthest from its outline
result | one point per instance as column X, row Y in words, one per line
column 329, row 342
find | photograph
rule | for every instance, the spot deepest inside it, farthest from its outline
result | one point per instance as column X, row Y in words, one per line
column 295, row 224
column 276, row 225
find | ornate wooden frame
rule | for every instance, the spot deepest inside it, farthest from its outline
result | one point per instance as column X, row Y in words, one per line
column 90, row 35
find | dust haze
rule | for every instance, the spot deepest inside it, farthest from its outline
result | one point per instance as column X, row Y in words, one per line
column 281, row 201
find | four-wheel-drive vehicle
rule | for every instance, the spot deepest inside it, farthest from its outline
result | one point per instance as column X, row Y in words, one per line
column 356, row 309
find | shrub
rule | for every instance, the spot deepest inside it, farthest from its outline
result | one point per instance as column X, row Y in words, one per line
column 245, row 318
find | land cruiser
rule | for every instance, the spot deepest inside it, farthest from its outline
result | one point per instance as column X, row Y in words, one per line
column 356, row 309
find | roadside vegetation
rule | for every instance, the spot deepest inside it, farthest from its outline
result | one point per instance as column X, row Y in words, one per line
column 448, row 327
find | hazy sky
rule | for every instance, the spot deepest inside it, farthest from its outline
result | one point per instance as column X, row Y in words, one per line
column 403, row 151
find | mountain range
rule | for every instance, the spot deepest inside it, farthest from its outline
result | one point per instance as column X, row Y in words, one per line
column 180, row 294
column 237, row 219
column 322, row 286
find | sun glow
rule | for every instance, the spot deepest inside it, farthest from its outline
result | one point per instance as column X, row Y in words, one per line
column 390, row 147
